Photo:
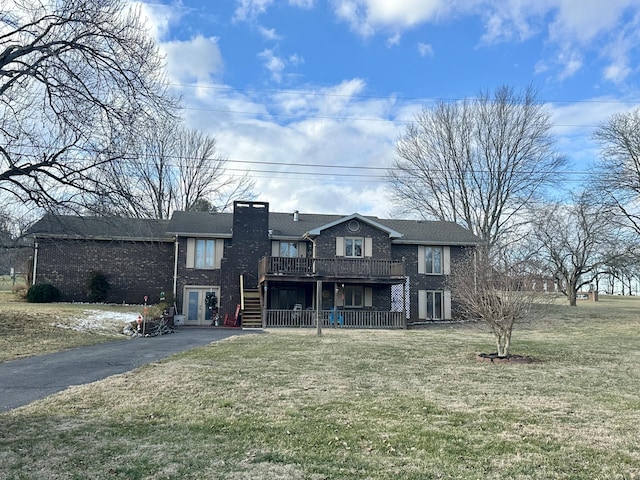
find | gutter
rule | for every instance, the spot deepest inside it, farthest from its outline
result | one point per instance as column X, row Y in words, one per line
column 175, row 270
column 35, row 260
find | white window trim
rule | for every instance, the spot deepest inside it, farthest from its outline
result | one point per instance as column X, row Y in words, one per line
column 367, row 246
column 354, row 239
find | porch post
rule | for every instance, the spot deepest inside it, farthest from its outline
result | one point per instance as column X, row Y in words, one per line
column 263, row 302
column 404, row 294
column 319, row 306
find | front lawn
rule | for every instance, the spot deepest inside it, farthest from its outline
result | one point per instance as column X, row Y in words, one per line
column 355, row 405
column 28, row 329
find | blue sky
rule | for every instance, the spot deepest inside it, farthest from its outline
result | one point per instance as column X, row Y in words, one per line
column 311, row 95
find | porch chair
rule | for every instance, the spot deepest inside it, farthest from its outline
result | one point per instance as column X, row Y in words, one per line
column 232, row 320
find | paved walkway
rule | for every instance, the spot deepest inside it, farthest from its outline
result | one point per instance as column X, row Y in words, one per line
column 28, row 379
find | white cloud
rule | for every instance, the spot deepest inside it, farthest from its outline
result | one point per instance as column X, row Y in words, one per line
column 425, row 50
column 331, row 127
column 273, row 63
column 367, row 16
column 582, row 21
column 198, row 59
column 296, row 59
column 157, row 18
column 394, row 40
column 571, row 62
column 570, row 26
column 308, row 4
column 269, row 34
column 276, row 64
column 248, row 10
column 617, row 72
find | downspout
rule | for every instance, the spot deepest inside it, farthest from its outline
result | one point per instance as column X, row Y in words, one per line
column 175, row 272
column 35, row 261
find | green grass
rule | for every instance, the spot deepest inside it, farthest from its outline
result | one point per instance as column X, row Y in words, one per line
column 355, row 405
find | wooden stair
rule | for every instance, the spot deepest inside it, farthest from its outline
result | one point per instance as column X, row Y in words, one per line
column 252, row 313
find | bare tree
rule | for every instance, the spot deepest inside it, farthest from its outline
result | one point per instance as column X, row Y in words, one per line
column 174, row 168
column 619, row 167
column 74, row 75
column 577, row 241
column 477, row 162
column 498, row 294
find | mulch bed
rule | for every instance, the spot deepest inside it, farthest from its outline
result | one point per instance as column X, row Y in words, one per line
column 494, row 358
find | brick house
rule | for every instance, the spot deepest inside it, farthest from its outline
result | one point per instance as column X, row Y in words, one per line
column 275, row 269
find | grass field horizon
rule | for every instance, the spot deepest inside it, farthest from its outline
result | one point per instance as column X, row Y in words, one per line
column 356, row 404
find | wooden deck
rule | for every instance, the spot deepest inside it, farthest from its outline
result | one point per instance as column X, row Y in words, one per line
column 363, row 268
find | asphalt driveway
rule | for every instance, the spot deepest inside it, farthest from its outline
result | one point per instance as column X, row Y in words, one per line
column 28, row 379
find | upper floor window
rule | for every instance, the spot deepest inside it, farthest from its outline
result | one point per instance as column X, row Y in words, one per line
column 433, row 260
column 353, row 247
column 205, row 253
column 288, row 249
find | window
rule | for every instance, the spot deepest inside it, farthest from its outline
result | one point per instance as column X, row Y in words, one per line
column 205, row 253
column 433, row 260
column 353, row 296
column 430, row 305
column 353, row 247
column 434, row 305
column 288, row 249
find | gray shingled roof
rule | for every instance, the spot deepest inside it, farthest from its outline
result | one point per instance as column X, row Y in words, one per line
column 99, row 227
column 282, row 226
column 201, row 223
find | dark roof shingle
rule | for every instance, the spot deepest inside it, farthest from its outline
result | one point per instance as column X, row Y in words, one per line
column 282, row 225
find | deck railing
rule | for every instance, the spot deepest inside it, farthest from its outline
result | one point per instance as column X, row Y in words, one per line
column 331, row 267
column 338, row 319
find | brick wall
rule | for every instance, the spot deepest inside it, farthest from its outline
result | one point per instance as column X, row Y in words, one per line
column 422, row 281
column 326, row 241
column 134, row 269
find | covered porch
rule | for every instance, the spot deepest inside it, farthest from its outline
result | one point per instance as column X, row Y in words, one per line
column 361, row 294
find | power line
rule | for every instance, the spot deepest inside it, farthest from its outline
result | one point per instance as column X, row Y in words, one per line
column 391, row 96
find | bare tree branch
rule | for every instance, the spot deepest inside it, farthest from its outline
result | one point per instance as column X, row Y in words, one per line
column 74, row 75
column 478, row 162
column 577, row 241
column 173, row 168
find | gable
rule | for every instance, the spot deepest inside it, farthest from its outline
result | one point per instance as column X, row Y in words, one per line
column 353, row 224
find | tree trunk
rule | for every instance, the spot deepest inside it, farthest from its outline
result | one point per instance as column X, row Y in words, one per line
column 572, row 292
column 503, row 343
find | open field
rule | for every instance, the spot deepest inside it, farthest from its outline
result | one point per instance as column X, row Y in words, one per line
column 355, row 405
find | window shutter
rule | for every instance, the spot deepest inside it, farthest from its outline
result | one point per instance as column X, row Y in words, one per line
column 422, row 304
column 191, row 252
column 446, row 305
column 275, row 248
column 302, row 249
column 446, row 260
column 368, row 247
column 368, row 297
column 421, row 260
column 219, row 253
column 339, row 246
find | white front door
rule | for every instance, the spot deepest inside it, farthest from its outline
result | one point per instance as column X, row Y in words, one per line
column 194, row 307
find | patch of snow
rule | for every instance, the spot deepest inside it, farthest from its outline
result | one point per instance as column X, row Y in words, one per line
column 99, row 321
